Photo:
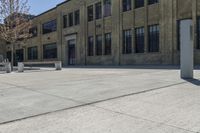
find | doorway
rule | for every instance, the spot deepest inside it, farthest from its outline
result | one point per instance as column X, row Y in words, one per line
column 71, row 52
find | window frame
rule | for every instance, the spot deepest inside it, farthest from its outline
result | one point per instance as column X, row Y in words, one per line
column 127, row 41
column 154, row 38
column 45, row 53
column 53, row 29
column 139, row 40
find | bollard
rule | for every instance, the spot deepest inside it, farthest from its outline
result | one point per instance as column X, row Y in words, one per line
column 20, row 67
column 8, row 67
column 58, row 65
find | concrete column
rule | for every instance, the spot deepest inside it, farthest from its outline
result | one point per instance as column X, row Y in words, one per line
column 58, row 65
column 20, row 67
column 187, row 48
column 8, row 67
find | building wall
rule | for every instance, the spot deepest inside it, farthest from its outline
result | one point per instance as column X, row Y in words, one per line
column 2, row 50
column 166, row 13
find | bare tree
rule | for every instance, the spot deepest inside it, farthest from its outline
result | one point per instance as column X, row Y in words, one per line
column 15, row 23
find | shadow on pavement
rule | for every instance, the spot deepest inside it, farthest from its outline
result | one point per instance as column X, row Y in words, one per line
column 193, row 81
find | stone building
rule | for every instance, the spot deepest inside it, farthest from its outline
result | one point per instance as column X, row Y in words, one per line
column 111, row 32
column 2, row 50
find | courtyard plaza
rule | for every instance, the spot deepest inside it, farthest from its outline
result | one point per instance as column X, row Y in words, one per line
column 100, row 100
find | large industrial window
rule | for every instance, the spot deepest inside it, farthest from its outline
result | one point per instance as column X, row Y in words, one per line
column 65, row 21
column 127, row 42
column 178, row 36
column 108, row 43
column 126, row 5
column 139, row 40
column 153, row 38
column 33, row 31
column 107, row 8
column 90, row 13
column 77, row 17
column 152, row 1
column 71, row 19
column 33, row 53
column 50, row 51
column 198, row 34
column 99, row 45
column 49, row 27
column 98, row 9
column 139, row 3
column 90, row 46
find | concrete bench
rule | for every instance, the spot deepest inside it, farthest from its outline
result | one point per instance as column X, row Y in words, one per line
column 58, row 64
column 7, row 66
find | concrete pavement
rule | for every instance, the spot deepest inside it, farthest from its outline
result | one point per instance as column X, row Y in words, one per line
column 96, row 100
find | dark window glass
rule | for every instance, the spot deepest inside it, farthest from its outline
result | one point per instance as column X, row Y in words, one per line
column 71, row 19
column 107, row 8
column 178, row 35
column 19, row 55
column 90, row 46
column 139, row 40
column 77, row 17
column 65, row 21
column 152, row 1
column 33, row 53
column 33, row 31
column 126, row 5
column 139, row 3
column 49, row 27
column 153, row 38
column 198, row 34
column 90, row 13
column 98, row 45
column 50, row 51
column 127, row 42
column 98, row 10
column 108, row 43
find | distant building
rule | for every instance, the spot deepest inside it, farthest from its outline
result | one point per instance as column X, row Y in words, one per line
column 111, row 32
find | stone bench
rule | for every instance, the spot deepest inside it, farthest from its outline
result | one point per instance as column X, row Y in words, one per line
column 58, row 64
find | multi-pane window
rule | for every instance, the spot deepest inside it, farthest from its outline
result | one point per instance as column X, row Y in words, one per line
column 71, row 19
column 90, row 13
column 127, row 42
column 33, row 31
column 33, row 53
column 90, row 46
column 139, row 3
column 77, row 17
column 153, row 42
column 198, row 34
column 49, row 27
column 50, row 51
column 98, row 10
column 152, row 1
column 65, row 21
column 126, row 5
column 107, row 8
column 139, row 40
column 108, row 43
column 178, row 35
column 99, row 45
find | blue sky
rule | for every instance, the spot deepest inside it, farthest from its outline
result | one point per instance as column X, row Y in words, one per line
column 40, row 6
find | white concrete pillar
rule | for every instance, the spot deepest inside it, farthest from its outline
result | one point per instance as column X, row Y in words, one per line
column 20, row 67
column 8, row 67
column 187, row 48
column 58, row 65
